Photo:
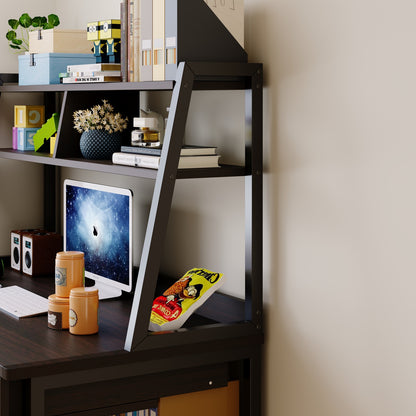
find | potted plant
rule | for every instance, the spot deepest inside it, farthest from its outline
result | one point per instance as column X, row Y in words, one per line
column 18, row 34
column 100, row 129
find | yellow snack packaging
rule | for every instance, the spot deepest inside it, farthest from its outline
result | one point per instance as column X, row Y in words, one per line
column 176, row 305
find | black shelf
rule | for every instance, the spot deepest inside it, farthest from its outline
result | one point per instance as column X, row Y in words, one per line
column 109, row 167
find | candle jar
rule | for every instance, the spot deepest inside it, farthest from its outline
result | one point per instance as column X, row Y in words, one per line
column 146, row 133
column 69, row 272
column 83, row 311
column 58, row 312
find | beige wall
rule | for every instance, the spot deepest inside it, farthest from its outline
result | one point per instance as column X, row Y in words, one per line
column 339, row 204
column 339, row 137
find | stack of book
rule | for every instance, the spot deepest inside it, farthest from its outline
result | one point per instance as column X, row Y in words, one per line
column 98, row 72
column 149, row 157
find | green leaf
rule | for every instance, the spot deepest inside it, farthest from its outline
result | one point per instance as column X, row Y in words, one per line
column 53, row 20
column 13, row 23
column 38, row 21
column 47, row 26
column 25, row 20
column 11, row 34
column 17, row 41
column 15, row 46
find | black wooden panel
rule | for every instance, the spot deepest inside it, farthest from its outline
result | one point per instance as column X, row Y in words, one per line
column 103, row 394
column 128, row 104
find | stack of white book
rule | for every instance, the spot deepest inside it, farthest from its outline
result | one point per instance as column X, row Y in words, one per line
column 99, row 72
column 149, row 157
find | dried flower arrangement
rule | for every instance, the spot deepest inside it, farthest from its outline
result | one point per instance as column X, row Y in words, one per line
column 99, row 117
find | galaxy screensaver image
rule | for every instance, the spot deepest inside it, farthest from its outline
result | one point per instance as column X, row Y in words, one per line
column 98, row 223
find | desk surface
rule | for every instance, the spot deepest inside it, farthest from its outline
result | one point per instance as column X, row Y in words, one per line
column 52, row 363
column 27, row 345
column 28, row 348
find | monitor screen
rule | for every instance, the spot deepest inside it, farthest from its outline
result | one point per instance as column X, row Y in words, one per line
column 98, row 222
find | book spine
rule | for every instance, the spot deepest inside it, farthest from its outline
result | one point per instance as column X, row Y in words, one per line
column 136, row 40
column 153, row 151
column 171, row 29
column 93, row 67
column 86, row 67
column 131, row 159
column 123, row 42
column 158, row 40
column 73, row 80
column 130, row 53
column 146, row 40
column 94, row 73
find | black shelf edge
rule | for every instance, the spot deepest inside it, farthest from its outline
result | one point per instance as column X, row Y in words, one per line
column 108, row 167
column 200, row 85
column 98, row 86
column 212, row 76
column 220, row 333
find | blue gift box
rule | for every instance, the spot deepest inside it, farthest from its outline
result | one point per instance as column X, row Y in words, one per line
column 44, row 68
column 25, row 138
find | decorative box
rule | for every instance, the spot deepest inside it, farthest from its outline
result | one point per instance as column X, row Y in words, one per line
column 14, row 144
column 44, row 68
column 29, row 115
column 59, row 41
column 52, row 143
column 25, row 138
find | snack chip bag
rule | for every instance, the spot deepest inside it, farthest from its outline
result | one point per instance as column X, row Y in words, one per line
column 175, row 306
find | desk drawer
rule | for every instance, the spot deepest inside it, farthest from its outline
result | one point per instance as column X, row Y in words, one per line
column 123, row 393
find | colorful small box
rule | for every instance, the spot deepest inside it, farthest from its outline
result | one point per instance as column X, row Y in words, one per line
column 44, row 68
column 52, row 142
column 29, row 115
column 25, row 138
column 109, row 29
column 14, row 144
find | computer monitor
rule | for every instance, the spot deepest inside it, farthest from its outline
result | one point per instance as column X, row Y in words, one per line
column 98, row 222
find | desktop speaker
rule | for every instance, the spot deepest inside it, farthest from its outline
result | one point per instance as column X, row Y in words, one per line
column 39, row 251
column 16, row 247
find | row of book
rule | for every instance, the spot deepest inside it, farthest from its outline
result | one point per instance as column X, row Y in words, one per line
column 158, row 34
column 147, row 157
column 98, row 72
column 145, row 412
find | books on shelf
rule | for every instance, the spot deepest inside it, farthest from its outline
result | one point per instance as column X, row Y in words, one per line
column 157, row 35
column 98, row 78
column 187, row 150
column 99, row 72
column 153, row 162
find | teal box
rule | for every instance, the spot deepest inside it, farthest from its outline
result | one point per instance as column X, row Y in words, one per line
column 25, row 138
column 44, row 68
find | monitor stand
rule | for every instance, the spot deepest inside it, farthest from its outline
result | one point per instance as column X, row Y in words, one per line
column 106, row 291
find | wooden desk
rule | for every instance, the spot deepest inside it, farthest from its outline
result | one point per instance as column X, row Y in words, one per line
column 48, row 372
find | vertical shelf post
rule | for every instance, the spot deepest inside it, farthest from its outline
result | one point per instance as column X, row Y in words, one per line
column 254, row 200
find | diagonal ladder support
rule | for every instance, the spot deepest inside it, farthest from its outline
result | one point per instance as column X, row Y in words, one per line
column 160, row 208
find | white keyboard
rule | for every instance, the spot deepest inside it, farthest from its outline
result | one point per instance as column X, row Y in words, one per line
column 21, row 303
